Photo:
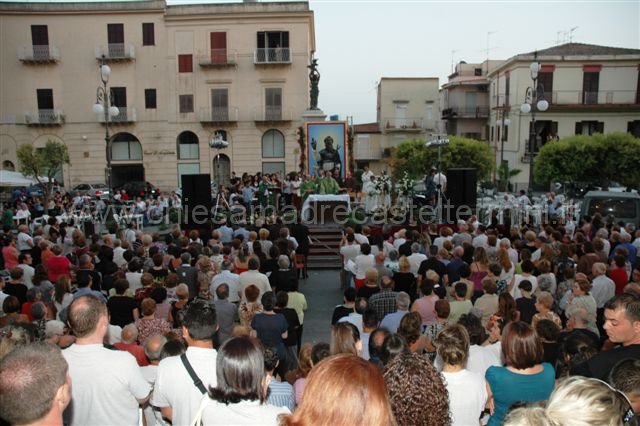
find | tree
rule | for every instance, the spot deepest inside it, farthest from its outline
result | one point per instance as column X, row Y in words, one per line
column 598, row 159
column 46, row 162
column 504, row 176
column 415, row 158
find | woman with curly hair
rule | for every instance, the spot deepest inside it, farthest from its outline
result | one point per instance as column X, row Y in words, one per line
column 411, row 329
column 417, row 393
column 343, row 389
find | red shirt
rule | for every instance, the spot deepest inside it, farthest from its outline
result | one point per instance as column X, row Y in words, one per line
column 136, row 350
column 620, row 278
column 10, row 254
column 58, row 266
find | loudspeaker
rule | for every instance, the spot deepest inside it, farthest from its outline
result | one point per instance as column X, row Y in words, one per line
column 462, row 191
column 196, row 201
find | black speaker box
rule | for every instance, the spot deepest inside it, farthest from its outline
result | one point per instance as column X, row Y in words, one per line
column 196, row 201
column 461, row 189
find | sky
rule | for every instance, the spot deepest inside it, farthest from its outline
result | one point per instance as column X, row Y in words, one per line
column 358, row 42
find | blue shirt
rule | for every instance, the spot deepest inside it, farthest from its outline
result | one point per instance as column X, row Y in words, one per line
column 509, row 387
column 281, row 395
column 392, row 321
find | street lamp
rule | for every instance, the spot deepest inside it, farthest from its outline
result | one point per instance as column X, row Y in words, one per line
column 534, row 101
column 104, row 105
column 502, row 123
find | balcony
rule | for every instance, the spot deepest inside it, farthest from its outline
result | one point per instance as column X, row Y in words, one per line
column 125, row 116
column 452, row 113
column 44, row 117
column 364, row 151
column 272, row 56
column 218, row 58
column 272, row 114
column 114, row 52
column 405, row 125
column 218, row 116
column 605, row 99
column 39, row 54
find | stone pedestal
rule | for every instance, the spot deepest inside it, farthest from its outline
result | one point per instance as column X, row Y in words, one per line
column 313, row 115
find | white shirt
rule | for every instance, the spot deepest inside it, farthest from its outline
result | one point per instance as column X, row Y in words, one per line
column 106, row 385
column 415, row 259
column 603, row 289
column 242, row 413
column 174, row 387
column 467, row 396
column 480, row 241
column 515, row 291
column 253, row 278
column 118, row 257
column 440, row 179
column 349, row 252
column 28, row 273
column 25, row 242
column 361, row 239
column 364, row 262
column 229, row 278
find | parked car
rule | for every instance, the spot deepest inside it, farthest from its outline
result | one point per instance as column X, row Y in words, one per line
column 622, row 206
column 140, row 189
column 94, row 190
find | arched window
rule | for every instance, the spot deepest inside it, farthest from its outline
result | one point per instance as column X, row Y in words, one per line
column 8, row 165
column 188, row 146
column 272, row 144
column 125, row 147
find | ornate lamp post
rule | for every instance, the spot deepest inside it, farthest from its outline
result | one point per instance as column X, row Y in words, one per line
column 534, row 102
column 104, row 105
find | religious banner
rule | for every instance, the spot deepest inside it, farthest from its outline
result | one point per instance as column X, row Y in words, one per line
column 326, row 151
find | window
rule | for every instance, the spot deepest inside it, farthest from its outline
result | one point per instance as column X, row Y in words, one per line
column 273, row 144
column 545, row 78
column 39, row 35
column 126, row 147
column 45, row 99
column 188, row 146
column 185, row 63
column 545, row 131
column 507, row 87
column 150, row 98
column 506, row 133
column 218, row 47
column 273, row 104
column 270, row 168
column 188, row 169
column 638, row 88
column 633, row 127
column 590, row 87
column 589, row 127
column 148, row 34
column 119, row 97
column 273, row 46
column 220, row 104
column 115, row 38
column 186, row 104
column 477, row 72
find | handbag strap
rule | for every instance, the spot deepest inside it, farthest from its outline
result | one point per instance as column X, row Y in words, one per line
column 196, row 380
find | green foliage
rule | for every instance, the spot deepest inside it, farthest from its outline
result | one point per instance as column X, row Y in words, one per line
column 504, row 176
column 46, row 162
column 415, row 158
column 597, row 159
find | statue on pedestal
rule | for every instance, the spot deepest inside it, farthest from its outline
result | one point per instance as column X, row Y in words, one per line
column 314, row 79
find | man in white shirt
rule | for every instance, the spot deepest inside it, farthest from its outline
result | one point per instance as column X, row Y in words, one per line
column 108, row 386
column 349, row 249
column 603, row 288
column 253, row 277
column 416, row 258
column 480, row 240
column 24, row 240
column 29, row 271
column 227, row 277
column 175, row 391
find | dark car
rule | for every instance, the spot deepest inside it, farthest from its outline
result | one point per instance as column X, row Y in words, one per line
column 140, row 189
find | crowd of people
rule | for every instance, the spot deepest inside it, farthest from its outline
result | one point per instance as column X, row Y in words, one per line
column 439, row 325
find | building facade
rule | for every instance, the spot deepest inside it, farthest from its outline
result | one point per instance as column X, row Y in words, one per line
column 465, row 100
column 407, row 108
column 589, row 89
column 180, row 77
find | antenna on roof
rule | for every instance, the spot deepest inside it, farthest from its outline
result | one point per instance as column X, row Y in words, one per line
column 571, row 34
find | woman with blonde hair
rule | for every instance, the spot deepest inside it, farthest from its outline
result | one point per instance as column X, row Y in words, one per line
column 343, row 390
column 479, row 270
column 345, row 338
